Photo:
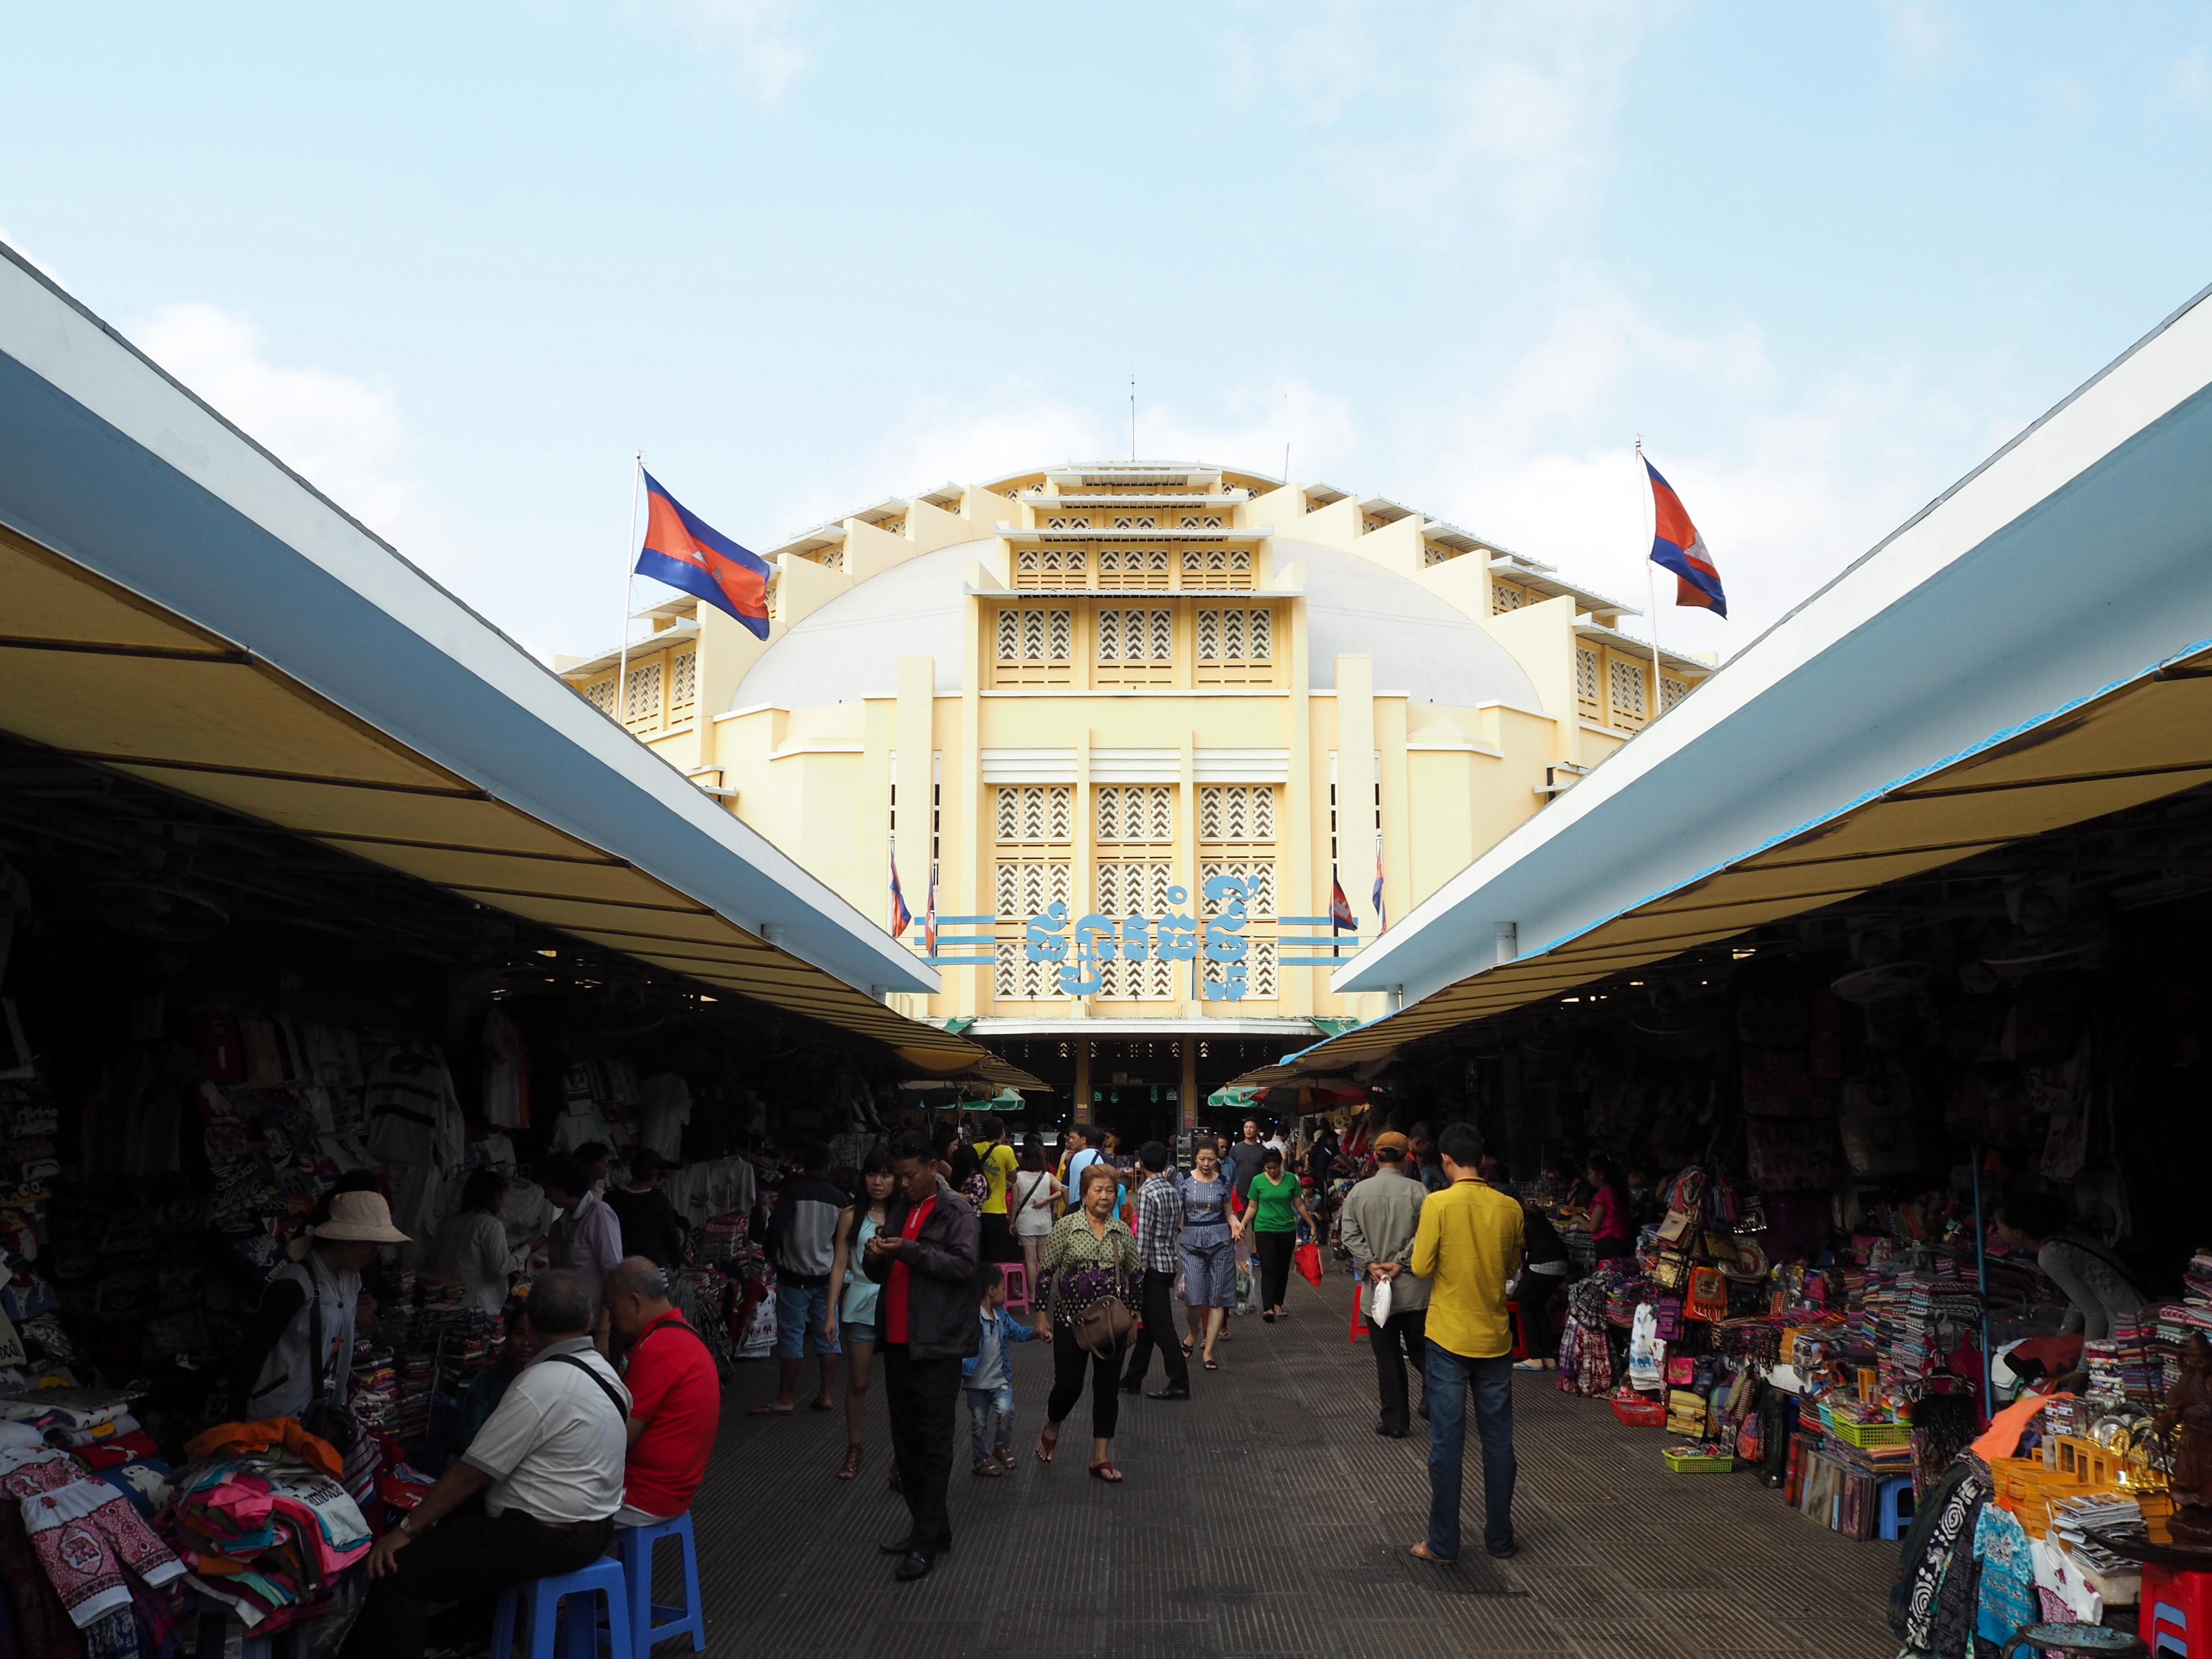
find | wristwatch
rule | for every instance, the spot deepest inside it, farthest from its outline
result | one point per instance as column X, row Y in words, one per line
column 406, row 1524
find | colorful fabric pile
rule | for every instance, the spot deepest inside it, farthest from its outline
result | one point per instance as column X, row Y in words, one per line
column 263, row 1533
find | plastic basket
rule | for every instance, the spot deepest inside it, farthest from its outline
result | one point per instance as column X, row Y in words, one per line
column 1689, row 1461
column 1640, row 1414
column 1866, row 1436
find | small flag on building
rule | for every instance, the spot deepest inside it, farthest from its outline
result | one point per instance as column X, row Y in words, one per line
column 687, row 552
column 1382, row 917
column 901, row 918
column 929, row 915
column 1340, row 919
column 1676, row 546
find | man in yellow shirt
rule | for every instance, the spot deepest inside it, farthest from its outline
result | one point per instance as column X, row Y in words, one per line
column 998, row 1162
column 1468, row 1245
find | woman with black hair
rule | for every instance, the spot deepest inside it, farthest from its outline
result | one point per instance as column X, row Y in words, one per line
column 853, row 1322
column 1611, row 1224
column 472, row 1247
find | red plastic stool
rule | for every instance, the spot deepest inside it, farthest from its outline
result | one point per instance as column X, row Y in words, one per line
column 2177, row 1612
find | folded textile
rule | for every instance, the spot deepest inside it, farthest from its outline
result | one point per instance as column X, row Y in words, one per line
column 271, row 1431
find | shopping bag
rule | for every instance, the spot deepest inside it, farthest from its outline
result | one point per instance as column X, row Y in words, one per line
column 1378, row 1301
column 1308, row 1262
column 1248, row 1285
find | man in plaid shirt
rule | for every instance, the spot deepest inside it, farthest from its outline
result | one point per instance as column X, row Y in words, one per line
column 1159, row 1231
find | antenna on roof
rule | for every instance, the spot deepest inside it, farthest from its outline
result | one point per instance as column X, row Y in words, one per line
column 1133, row 417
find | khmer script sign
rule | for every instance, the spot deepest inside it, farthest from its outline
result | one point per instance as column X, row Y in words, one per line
column 1172, row 937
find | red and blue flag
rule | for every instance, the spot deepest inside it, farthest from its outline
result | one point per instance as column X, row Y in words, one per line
column 929, row 916
column 1340, row 919
column 901, row 918
column 1676, row 546
column 685, row 552
column 1382, row 916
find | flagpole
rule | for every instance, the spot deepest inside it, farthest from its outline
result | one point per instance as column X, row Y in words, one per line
column 1650, row 576
column 629, row 585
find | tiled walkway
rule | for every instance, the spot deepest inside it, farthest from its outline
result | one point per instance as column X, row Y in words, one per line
column 1266, row 1517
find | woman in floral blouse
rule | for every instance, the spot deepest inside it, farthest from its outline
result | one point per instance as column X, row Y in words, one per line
column 1091, row 1254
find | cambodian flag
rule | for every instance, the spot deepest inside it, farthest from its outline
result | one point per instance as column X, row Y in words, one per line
column 687, row 552
column 1382, row 916
column 1676, row 545
column 901, row 918
column 1340, row 919
column 929, row 916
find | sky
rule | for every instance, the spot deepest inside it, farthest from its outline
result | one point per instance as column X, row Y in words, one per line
column 457, row 264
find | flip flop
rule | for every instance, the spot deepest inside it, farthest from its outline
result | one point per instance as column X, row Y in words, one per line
column 1047, row 1444
column 820, row 1406
column 1106, row 1473
column 1421, row 1551
column 1211, row 1364
column 769, row 1411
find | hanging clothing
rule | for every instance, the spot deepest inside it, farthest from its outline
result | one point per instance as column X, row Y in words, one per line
column 505, row 1073
column 665, row 1108
column 473, row 1247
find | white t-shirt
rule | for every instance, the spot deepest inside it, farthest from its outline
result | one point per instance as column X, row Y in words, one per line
column 555, row 1445
column 1029, row 1200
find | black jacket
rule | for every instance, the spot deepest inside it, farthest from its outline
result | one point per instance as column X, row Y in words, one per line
column 945, row 1264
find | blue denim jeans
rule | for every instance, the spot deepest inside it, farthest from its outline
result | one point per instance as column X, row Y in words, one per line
column 1448, row 1378
column 983, row 1405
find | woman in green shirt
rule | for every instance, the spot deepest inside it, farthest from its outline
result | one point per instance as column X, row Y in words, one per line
column 1273, row 1209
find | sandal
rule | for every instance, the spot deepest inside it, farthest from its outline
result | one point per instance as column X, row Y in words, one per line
column 987, row 1466
column 1211, row 1364
column 1006, row 1459
column 1047, row 1444
column 851, row 1465
column 1106, row 1473
column 1187, row 1348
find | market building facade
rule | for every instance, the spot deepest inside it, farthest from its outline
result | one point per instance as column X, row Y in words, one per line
column 1134, row 724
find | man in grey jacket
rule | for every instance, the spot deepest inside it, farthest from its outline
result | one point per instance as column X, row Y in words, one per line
column 1381, row 1216
column 927, row 1255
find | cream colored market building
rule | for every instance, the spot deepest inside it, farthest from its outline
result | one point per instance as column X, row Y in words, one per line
column 1099, row 683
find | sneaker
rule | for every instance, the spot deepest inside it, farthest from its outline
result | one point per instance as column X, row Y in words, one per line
column 1133, row 1385
column 1171, row 1392
column 1500, row 1551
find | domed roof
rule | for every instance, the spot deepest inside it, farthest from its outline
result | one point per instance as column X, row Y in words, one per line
column 1421, row 645
column 849, row 649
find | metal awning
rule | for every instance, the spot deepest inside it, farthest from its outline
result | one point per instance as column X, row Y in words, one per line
column 2026, row 654
column 176, row 605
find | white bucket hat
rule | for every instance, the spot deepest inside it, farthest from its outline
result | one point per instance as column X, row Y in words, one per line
column 359, row 1219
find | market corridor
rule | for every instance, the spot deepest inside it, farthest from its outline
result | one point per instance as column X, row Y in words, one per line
column 1266, row 1517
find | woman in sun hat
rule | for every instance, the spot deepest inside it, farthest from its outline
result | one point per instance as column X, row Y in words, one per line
column 300, row 1347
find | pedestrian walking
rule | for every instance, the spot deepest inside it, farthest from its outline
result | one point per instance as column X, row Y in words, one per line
column 1468, row 1244
column 988, row 1376
column 927, row 1257
column 999, row 1163
column 1382, row 1215
column 1209, row 1252
column 801, row 1239
column 1090, row 1277
column 1159, row 1239
column 1032, row 1194
column 1276, row 1204
column 852, row 1323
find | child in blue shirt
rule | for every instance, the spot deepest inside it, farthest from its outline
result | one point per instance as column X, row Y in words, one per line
column 989, row 1378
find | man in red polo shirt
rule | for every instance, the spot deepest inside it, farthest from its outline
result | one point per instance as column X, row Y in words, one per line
column 675, row 1397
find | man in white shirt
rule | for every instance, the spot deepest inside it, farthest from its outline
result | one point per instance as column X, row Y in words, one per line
column 534, row 1494
column 585, row 1239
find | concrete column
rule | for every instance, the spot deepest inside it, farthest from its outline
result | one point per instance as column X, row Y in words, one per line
column 1187, row 1118
column 1186, row 864
column 1355, row 786
column 1082, row 1080
column 916, row 742
column 1084, row 877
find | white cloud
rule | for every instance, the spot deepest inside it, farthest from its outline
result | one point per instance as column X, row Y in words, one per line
column 1510, row 111
column 346, row 436
column 33, row 259
column 2192, row 79
column 758, row 39
column 1017, row 425
column 1920, row 34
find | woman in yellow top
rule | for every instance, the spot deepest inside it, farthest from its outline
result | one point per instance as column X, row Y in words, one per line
column 999, row 1163
column 1273, row 1207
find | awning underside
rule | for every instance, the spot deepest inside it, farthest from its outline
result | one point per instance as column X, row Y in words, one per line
column 2149, row 737
column 99, row 674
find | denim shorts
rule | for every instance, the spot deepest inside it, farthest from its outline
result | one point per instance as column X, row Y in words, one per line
column 799, row 1313
column 855, row 1330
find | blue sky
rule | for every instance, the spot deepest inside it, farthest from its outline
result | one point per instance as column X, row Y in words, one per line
column 456, row 263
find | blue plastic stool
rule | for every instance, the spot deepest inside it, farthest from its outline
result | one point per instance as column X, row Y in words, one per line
column 1897, row 1506
column 579, row 1625
column 635, row 1545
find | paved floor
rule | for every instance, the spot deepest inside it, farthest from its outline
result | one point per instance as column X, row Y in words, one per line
column 1266, row 1517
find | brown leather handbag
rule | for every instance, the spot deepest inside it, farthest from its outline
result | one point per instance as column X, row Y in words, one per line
column 1104, row 1326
